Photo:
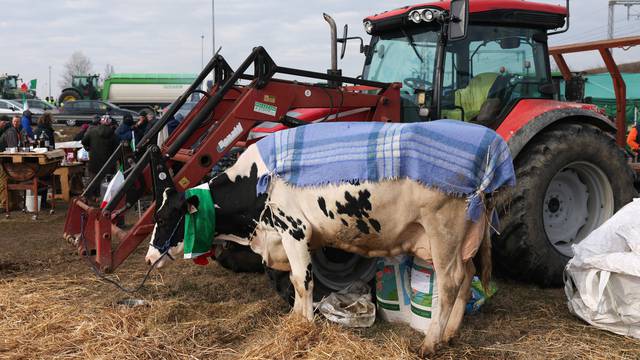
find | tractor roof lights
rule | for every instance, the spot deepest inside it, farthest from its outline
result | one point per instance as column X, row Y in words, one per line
column 428, row 15
column 415, row 16
column 368, row 27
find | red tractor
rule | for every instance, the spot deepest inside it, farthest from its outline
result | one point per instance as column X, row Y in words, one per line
column 483, row 61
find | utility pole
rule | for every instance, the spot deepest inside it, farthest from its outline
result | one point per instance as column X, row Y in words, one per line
column 213, row 28
column 49, row 80
column 201, row 51
column 626, row 3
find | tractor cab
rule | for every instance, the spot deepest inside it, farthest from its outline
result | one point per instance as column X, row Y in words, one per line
column 9, row 82
column 479, row 77
column 86, row 84
column 9, row 87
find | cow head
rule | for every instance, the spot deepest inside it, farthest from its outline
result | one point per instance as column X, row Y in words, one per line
column 168, row 232
column 238, row 208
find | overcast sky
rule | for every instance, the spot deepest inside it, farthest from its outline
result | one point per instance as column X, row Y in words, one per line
column 165, row 35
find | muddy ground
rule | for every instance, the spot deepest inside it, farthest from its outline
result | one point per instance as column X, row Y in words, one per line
column 53, row 306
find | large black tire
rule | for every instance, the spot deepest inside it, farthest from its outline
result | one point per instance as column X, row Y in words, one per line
column 69, row 95
column 333, row 270
column 566, row 154
column 282, row 285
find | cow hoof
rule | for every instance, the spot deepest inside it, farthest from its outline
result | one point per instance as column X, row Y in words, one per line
column 7, row 216
column 428, row 348
column 34, row 217
column 51, row 212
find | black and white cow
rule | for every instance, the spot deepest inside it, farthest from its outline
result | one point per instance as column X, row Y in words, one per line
column 374, row 219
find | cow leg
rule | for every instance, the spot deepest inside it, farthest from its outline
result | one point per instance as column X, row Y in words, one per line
column 450, row 272
column 457, row 313
column 301, row 276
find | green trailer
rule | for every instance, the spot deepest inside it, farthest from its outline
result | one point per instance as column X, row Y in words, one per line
column 149, row 92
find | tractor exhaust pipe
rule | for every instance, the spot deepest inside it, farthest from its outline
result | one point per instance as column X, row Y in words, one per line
column 334, row 71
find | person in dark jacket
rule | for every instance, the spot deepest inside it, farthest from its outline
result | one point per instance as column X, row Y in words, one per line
column 45, row 129
column 100, row 141
column 140, row 127
column 5, row 122
column 83, row 130
column 11, row 135
column 173, row 123
column 125, row 130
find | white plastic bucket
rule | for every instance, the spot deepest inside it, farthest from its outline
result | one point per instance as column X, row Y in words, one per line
column 29, row 201
column 424, row 295
column 392, row 288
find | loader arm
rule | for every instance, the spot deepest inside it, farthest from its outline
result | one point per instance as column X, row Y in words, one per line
column 220, row 121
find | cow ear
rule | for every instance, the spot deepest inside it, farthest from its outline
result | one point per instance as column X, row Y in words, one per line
column 192, row 203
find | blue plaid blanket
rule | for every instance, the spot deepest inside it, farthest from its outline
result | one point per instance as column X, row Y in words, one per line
column 458, row 158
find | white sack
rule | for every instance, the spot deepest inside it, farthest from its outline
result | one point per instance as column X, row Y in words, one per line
column 602, row 281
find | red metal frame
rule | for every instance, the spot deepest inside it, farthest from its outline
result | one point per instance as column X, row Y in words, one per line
column 235, row 111
column 604, row 48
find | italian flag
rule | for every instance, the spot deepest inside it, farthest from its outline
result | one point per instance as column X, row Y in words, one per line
column 199, row 226
column 115, row 185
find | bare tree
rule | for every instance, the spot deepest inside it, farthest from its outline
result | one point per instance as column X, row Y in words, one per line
column 108, row 71
column 78, row 64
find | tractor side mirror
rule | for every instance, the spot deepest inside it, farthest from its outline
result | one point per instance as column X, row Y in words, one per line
column 344, row 41
column 458, row 19
column 345, row 38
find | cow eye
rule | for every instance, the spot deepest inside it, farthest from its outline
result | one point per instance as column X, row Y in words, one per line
column 160, row 222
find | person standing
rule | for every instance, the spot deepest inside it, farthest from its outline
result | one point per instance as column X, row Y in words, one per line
column 140, row 127
column 11, row 136
column 83, row 130
column 26, row 125
column 125, row 130
column 100, row 141
column 44, row 131
column 5, row 122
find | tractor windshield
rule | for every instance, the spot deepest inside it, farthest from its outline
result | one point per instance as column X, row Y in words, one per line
column 11, row 83
column 403, row 56
column 406, row 56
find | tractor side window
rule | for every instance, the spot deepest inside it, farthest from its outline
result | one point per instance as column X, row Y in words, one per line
column 494, row 67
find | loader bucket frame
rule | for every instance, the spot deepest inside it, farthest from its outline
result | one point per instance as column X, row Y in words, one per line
column 221, row 120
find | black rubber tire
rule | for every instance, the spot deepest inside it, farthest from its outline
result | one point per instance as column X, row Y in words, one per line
column 522, row 250
column 69, row 93
column 282, row 285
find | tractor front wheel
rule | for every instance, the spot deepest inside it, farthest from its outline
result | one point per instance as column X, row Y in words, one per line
column 571, row 179
column 68, row 96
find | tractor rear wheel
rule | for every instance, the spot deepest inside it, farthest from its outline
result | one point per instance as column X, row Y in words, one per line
column 69, row 95
column 571, row 179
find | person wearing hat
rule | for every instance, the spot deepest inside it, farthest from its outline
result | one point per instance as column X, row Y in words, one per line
column 100, row 141
column 141, row 125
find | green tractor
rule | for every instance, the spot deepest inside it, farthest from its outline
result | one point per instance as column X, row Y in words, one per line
column 10, row 90
column 83, row 87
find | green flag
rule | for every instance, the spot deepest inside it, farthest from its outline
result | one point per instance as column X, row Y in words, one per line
column 33, row 84
column 199, row 227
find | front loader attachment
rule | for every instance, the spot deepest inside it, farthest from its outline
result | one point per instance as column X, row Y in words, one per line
column 221, row 121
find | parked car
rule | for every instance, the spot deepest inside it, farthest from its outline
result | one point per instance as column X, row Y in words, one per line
column 184, row 109
column 82, row 111
column 10, row 107
column 39, row 107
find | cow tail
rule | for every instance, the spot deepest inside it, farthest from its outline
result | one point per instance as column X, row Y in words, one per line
column 485, row 254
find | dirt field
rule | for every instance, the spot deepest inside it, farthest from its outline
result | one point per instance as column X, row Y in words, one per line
column 52, row 306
